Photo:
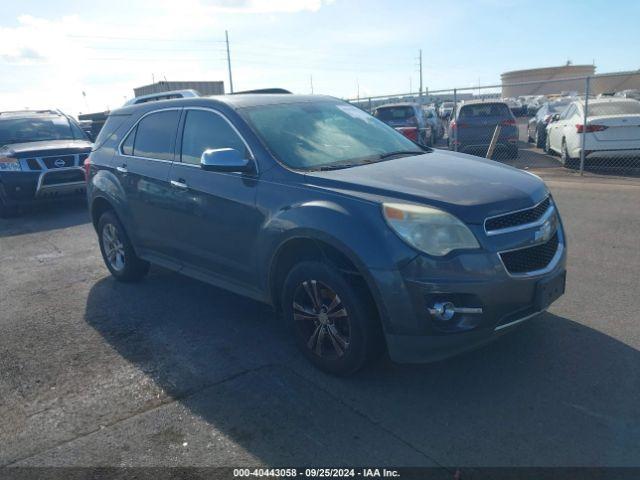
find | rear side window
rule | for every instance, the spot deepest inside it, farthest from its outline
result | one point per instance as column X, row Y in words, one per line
column 394, row 113
column 485, row 110
column 155, row 134
column 207, row 130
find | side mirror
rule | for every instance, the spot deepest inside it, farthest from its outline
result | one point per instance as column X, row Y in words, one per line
column 224, row 160
column 555, row 117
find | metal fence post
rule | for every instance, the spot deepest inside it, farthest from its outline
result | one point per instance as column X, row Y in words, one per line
column 369, row 104
column 453, row 117
column 584, row 123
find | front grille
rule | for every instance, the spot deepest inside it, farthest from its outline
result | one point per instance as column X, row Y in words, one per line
column 64, row 176
column 56, row 162
column 530, row 259
column 33, row 164
column 517, row 218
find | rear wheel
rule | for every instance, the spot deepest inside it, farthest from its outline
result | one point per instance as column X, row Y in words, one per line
column 117, row 252
column 567, row 161
column 539, row 141
column 333, row 321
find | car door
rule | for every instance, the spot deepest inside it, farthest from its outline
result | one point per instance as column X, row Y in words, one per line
column 556, row 130
column 143, row 164
column 215, row 217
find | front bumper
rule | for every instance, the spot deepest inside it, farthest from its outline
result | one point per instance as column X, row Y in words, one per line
column 21, row 188
column 474, row 281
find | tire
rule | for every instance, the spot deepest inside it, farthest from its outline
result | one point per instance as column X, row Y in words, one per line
column 567, row 161
column 512, row 153
column 338, row 338
column 538, row 140
column 117, row 252
column 547, row 145
column 6, row 211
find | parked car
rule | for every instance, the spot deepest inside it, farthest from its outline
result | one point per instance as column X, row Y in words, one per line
column 407, row 118
column 41, row 157
column 361, row 238
column 437, row 126
column 631, row 93
column 517, row 109
column 537, row 126
column 446, row 109
column 612, row 130
column 473, row 127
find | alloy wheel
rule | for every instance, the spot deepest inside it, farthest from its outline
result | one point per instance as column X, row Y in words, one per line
column 321, row 319
column 113, row 247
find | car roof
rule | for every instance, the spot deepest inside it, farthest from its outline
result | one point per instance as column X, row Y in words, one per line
column 236, row 101
column 30, row 113
column 399, row 104
column 483, row 102
column 600, row 101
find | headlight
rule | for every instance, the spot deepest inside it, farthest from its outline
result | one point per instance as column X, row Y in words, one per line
column 428, row 229
column 8, row 163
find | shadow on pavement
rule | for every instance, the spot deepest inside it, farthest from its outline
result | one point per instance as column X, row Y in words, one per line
column 553, row 392
column 46, row 216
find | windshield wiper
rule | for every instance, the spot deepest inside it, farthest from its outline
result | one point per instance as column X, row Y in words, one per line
column 338, row 166
column 400, row 152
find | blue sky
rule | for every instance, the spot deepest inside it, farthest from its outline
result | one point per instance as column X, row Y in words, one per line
column 50, row 52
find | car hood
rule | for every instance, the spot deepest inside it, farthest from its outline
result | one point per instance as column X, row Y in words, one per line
column 47, row 147
column 469, row 187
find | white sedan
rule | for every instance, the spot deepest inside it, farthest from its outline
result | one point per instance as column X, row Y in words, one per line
column 612, row 130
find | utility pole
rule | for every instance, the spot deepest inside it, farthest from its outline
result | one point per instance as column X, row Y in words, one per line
column 358, row 87
column 420, row 60
column 226, row 36
column 311, row 79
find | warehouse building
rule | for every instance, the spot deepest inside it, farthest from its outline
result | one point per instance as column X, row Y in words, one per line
column 566, row 78
column 203, row 88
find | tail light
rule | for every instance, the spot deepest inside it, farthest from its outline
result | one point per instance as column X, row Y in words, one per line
column 508, row 123
column 87, row 168
column 590, row 128
column 410, row 132
column 455, row 124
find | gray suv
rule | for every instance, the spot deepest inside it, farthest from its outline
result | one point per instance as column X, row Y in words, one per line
column 360, row 238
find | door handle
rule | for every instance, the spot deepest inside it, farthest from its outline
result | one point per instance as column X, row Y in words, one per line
column 179, row 184
column 122, row 169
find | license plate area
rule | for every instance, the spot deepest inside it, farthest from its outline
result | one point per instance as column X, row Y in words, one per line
column 549, row 290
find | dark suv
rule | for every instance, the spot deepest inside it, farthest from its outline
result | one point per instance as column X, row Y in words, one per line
column 41, row 157
column 473, row 127
column 362, row 239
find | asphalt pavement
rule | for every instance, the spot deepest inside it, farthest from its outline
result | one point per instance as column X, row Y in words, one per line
column 174, row 372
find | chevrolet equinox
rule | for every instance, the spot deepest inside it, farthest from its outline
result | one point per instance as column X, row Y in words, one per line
column 361, row 238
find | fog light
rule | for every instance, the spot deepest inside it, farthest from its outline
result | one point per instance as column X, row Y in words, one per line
column 445, row 311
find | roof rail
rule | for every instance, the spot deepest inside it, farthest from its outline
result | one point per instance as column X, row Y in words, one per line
column 168, row 95
column 263, row 90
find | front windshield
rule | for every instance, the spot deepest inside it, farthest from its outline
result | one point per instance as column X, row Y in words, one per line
column 35, row 129
column 325, row 134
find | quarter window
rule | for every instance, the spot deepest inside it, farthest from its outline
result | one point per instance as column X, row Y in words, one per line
column 127, row 146
column 154, row 136
column 207, row 130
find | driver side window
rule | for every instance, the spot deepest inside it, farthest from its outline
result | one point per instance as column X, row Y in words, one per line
column 207, row 130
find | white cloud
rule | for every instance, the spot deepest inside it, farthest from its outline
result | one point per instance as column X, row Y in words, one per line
column 266, row 6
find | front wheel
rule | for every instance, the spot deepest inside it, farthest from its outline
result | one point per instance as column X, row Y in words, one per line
column 117, row 252
column 333, row 321
column 567, row 161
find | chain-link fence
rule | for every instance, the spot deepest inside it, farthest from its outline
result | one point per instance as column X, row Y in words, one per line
column 580, row 123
